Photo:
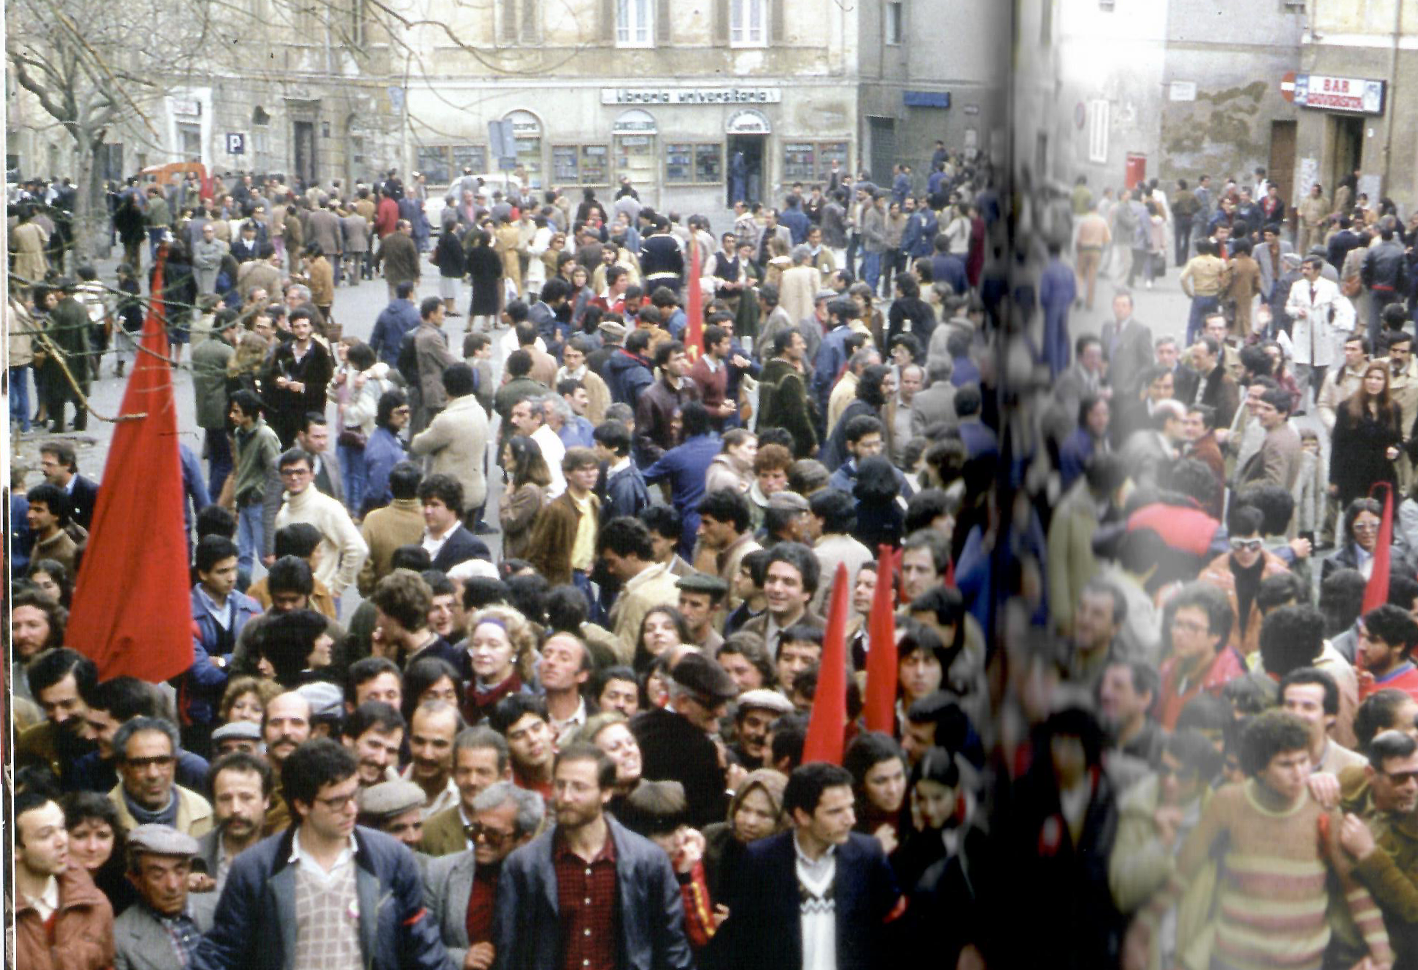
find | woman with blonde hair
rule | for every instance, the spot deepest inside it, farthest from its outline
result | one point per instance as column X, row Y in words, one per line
column 501, row 643
column 245, row 699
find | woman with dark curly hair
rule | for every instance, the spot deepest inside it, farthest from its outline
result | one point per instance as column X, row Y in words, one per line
column 98, row 843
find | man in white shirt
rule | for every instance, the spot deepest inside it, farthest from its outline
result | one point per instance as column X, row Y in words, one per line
column 50, row 887
column 528, row 418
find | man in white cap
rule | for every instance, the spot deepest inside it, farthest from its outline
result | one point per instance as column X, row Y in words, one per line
column 754, row 715
column 394, row 808
column 161, row 931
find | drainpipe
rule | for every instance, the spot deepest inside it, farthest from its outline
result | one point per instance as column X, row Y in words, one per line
column 1385, row 188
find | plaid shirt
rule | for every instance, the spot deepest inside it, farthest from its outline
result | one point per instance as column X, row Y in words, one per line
column 183, row 933
column 586, row 900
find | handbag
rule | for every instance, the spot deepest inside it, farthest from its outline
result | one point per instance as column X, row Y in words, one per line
column 1352, row 286
column 352, row 438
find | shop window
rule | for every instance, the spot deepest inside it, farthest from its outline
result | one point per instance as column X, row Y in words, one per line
column 811, row 161
column 748, row 23
column 565, row 165
column 432, row 161
column 687, row 164
column 595, row 165
column 634, row 23
column 635, row 158
column 469, row 156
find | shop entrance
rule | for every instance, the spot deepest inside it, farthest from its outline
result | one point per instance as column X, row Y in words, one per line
column 1346, row 148
column 745, row 179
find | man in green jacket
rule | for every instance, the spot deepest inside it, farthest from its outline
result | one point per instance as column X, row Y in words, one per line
column 1385, row 839
column 68, row 330
column 209, row 363
column 257, row 449
column 158, row 219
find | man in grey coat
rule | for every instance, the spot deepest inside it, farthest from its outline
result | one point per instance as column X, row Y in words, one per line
column 635, row 918
column 207, row 253
column 165, row 919
column 456, row 438
column 209, row 363
column 431, row 345
column 505, row 818
column 935, row 404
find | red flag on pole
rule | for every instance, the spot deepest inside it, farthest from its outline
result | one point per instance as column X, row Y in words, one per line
column 881, row 651
column 694, row 303
column 828, row 724
column 1376, row 592
column 132, row 603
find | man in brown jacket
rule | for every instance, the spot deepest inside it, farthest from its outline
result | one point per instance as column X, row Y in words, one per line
column 431, row 345
column 61, row 918
column 1240, row 285
column 400, row 257
column 562, row 546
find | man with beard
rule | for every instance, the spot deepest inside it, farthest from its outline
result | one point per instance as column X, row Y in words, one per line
column 374, row 731
column 541, row 918
column 286, row 726
column 461, row 888
column 432, row 729
column 241, row 796
column 327, row 893
column 58, row 681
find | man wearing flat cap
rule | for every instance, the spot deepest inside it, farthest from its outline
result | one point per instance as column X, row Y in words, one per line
column 786, row 519
column 394, row 808
column 754, row 714
column 700, row 596
column 162, row 929
column 236, row 736
column 676, row 742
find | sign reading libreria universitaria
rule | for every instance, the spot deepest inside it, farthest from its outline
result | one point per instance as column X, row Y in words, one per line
column 691, row 95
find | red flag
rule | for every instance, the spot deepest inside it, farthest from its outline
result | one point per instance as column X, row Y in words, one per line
column 1376, row 592
column 826, row 728
column 881, row 651
column 132, row 603
column 694, row 303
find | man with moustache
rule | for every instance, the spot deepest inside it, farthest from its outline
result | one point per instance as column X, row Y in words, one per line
column 431, row 732
column 374, row 731
column 285, row 725
column 480, row 760
column 753, row 725
column 542, row 921
column 325, row 893
column 58, row 680
column 461, row 888
column 1382, row 799
column 241, row 795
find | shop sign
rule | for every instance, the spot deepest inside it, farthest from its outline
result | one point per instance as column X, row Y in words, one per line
column 187, row 107
column 634, row 121
column 1352, row 94
column 695, row 95
column 748, row 121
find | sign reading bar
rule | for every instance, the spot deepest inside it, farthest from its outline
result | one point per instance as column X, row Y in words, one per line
column 727, row 95
column 1352, row 94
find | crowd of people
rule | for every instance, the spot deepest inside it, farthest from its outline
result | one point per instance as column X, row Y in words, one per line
column 508, row 657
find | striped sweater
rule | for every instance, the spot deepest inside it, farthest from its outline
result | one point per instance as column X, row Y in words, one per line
column 1274, row 883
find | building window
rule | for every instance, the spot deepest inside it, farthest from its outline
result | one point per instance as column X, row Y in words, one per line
column 189, row 139
column 580, row 164
column 689, row 164
column 634, row 24
column 469, row 156
column 811, row 161
column 432, row 161
column 748, row 23
column 893, row 23
column 1098, row 131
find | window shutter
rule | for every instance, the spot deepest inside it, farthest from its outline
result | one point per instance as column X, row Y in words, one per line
column 775, row 20
column 721, row 22
column 606, row 33
column 531, row 22
column 509, row 21
column 662, row 21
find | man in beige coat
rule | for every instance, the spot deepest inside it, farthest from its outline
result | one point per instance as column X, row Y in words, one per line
column 456, row 438
column 797, row 291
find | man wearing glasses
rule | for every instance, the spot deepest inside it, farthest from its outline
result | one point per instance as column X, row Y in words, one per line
column 342, row 548
column 461, row 888
column 147, row 792
column 1238, row 574
column 1386, row 817
column 1201, row 659
column 324, row 893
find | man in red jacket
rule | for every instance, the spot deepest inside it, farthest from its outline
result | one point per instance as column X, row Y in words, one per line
column 61, row 918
